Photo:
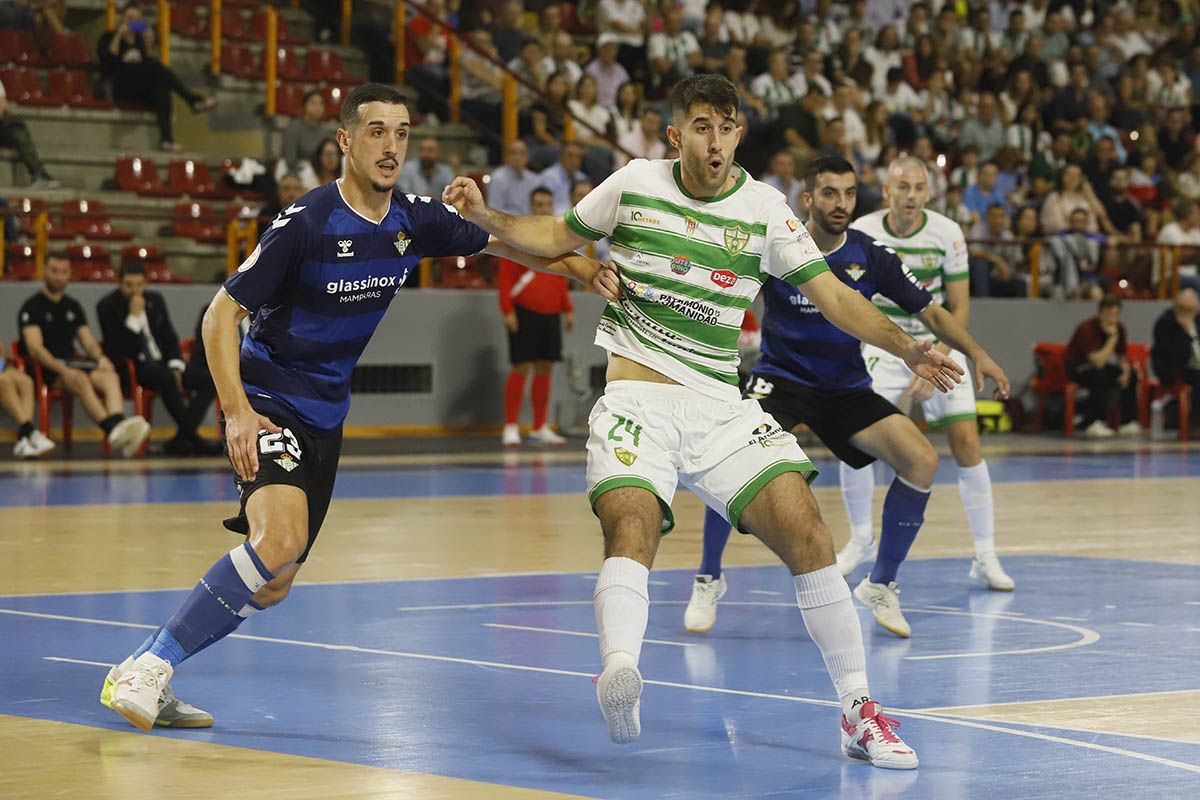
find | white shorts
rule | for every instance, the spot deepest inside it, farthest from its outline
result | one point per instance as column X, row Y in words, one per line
column 655, row 435
column 890, row 376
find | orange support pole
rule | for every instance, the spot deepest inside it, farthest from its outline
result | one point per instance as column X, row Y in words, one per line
column 214, row 26
column 110, row 15
column 164, row 32
column 400, row 37
column 1035, row 270
column 347, row 11
column 455, row 87
column 568, row 127
column 41, row 227
column 271, row 51
column 508, row 119
column 2, row 221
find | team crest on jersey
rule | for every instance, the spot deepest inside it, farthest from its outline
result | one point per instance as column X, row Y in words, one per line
column 855, row 272
column 793, row 224
column 930, row 260
column 287, row 462
column 402, row 242
column 691, row 226
column 736, row 240
column 624, row 456
column 680, row 265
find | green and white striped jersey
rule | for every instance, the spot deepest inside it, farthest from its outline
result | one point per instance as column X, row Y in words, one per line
column 690, row 267
column 935, row 253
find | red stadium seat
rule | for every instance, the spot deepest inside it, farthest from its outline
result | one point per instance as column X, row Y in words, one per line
column 323, row 65
column 233, row 26
column 197, row 221
column 191, row 177
column 1150, row 389
column 19, row 47
column 90, row 263
column 284, row 35
column 240, row 61
column 46, row 395
column 68, row 50
column 334, row 95
column 186, row 22
column 22, row 86
column 71, row 87
column 289, row 99
column 139, row 175
column 89, row 219
column 27, row 209
column 20, row 262
column 1051, row 379
column 287, row 64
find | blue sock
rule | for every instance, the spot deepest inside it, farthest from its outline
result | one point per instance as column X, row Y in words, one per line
column 251, row 608
column 146, row 645
column 903, row 513
column 716, row 534
column 221, row 594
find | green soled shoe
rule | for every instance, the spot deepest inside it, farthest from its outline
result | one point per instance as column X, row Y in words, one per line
column 172, row 712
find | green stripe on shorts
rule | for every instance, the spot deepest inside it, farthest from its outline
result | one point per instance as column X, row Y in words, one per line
column 748, row 492
column 618, row 481
column 950, row 419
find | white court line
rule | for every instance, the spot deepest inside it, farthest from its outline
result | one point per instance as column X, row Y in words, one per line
column 577, row 633
column 1191, row 602
column 768, row 594
column 896, row 712
column 78, row 661
column 1087, row 699
column 1137, row 624
column 1071, row 619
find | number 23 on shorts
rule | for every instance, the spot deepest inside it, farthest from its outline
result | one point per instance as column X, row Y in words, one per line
column 284, row 441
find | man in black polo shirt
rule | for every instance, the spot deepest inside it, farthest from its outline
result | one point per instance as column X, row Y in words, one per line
column 50, row 323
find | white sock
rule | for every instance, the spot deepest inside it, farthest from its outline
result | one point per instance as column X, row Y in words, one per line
column 622, row 602
column 858, row 492
column 829, row 615
column 975, row 489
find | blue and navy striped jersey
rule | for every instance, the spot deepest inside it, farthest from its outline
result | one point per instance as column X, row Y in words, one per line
column 800, row 345
column 318, row 284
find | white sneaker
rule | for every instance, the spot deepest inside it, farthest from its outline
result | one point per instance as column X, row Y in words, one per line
column 24, row 448
column 873, row 738
column 1131, row 428
column 172, row 712
column 140, row 690
column 546, row 435
column 41, row 443
column 128, row 435
column 1098, row 430
column 986, row 570
column 511, row 436
column 701, row 613
column 855, row 553
column 884, row 602
column 619, row 692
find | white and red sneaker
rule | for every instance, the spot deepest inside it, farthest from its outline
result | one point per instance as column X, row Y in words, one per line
column 873, row 738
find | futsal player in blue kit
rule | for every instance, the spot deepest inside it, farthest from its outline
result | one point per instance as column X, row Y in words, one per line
column 812, row 372
column 317, row 286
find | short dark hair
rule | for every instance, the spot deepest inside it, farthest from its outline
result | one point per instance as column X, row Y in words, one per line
column 825, row 164
column 310, row 94
column 368, row 93
column 132, row 268
column 1110, row 301
column 708, row 88
column 541, row 190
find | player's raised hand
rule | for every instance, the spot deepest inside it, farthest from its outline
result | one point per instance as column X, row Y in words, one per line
column 607, row 282
column 987, row 368
column 241, row 437
column 933, row 365
column 464, row 195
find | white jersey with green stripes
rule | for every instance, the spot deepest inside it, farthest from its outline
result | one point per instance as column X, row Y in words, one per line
column 935, row 253
column 690, row 267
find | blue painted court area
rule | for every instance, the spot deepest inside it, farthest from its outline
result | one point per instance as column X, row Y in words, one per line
column 489, row 679
column 156, row 485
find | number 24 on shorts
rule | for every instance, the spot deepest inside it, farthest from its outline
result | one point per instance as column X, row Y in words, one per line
column 628, row 426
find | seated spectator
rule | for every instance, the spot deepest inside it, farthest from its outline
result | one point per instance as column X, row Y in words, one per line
column 547, row 121
column 993, row 263
column 1073, row 193
column 326, row 163
column 1096, row 361
column 585, row 108
column 511, row 182
column 288, row 190
column 811, row 75
column 561, row 59
column 626, row 20
column 303, row 134
column 137, row 77
column 1184, row 233
column 15, row 133
column 610, row 75
column 984, row 129
column 1175, row 354
column 774, row 87
column 645, row 142
column 672, row 54
column 16, row 398
column 481, row 88
column 427, row 45
column 985, row 193
column 50, row 324
column 782, row 176
column 507, row 32
column 1076, row 254
column 527, row 67
column 954, row 208
column 136, row 326
column 426, row 175
column 560, row 176
column 1124, row 212
column 714, row 38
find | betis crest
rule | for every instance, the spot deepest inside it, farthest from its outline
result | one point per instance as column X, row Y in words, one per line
column 401, row 243
column 736, row 240
column 855, row 272
column 624, row 456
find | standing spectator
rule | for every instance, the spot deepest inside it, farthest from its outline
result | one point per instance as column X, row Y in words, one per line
column 644, row 142
column 562, row 49
column 783, row 177
column 138, row 77
column 480, row 91
column 536, row 306
column 427, row 45
column 626, row 20
column 303, row 134
column 984, row 130
column 1096, row 360
column 136, row 326
column 16, row 398
column 993, row 263
column 15, row 133
column 672, row 53
column 985, row 193
column 326, row 163
column 50, row 324
column 562, row 174
column 511, row 183
column 610, row 75
column 428, row 175
column 1175, row 354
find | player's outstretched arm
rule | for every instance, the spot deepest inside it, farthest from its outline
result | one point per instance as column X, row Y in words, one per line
column 854, row 314
column 946, row 327
column 540, row 235
column 221, row 345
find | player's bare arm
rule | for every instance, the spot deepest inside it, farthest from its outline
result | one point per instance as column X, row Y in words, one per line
column 572, row 265
column 948, row 329
column 854, row 314
column 539, row 235
column 221, row 344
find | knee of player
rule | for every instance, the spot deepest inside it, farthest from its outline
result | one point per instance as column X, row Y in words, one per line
column 922, row 466
column 279, row 546
column 272, row 594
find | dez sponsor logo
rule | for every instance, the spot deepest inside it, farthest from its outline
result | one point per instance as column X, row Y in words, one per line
column 770, row 435
column 723, row 278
